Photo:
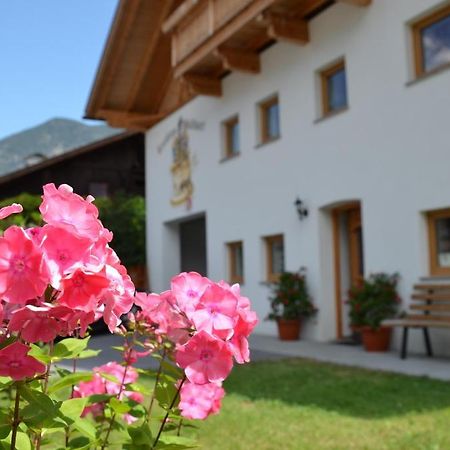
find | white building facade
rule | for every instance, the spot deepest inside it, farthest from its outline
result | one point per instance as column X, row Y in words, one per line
column 371, row 171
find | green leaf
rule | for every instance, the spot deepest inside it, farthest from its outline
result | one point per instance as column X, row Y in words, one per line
column 85, row 427
column 170, row 442
column 118, row 406
column 98, row 398
column 69, row 348
column 39, row 401
column 73, row 408
column 5, row 425
column 40, row 354
column 69, row 380
column 138, row 387
column 22, row 441
column 171, row 368
column 5, row 381
column 165, row 391
column 88, row 353
column 141, row 435
column 80, row 443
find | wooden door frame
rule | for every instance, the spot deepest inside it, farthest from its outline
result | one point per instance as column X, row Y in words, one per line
column 336, row 214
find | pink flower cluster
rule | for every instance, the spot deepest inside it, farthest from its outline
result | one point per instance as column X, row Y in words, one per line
column 62, row 276
column 209, row 323
column 102, row 385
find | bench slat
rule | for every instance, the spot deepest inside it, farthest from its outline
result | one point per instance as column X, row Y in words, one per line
column 444, row 308
column 432, row 297
column 428, row 318
column 432, row 287
column 414, row 323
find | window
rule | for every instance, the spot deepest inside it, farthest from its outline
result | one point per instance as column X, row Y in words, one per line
column 269, row 111
column 231, row 137
column 431, row 38
column 274, row 257
column 334, row 88
column 439, row 236
column 236, row 262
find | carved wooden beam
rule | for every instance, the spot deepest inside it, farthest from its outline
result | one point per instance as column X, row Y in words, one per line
column 234, row 24
column 239, row 60
column 201, row 85
column 286, row 29
column 356, row 2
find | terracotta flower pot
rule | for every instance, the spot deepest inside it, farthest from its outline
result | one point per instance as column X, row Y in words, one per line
column 289, row 329
column 376, row 340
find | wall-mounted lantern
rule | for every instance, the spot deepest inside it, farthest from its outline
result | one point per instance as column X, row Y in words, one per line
column 302, row 211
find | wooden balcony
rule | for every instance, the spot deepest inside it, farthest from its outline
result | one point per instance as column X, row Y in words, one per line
column 162, row 53
column 210, row 38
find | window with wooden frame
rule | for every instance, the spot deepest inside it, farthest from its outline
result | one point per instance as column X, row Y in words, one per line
column 235, row 262
column 269, row 116
column 334, row 88
column 231, row 137
column 431, row 42
column 439, row 241
column 274, row 257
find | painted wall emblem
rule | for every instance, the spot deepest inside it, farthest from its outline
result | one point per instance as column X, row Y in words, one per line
column 181, row 168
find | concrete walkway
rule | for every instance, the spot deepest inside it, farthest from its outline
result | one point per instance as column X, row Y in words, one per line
column 270, row 348
column 349, row 355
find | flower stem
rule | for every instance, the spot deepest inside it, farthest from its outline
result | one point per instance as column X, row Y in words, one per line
column 16, row 421
column 44, row 390
column 158, row 375
column 113, row 417
column 168, row 412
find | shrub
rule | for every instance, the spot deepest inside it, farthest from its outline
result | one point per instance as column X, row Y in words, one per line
column 290, row 298
column 374, row 301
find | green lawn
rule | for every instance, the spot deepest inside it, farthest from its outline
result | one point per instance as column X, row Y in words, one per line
column 299, row 404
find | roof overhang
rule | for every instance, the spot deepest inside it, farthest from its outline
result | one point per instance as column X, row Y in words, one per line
column 162, row 53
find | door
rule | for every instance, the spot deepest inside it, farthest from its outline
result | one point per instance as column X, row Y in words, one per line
column 193, row 246
column 355, row 243
column 348, row 260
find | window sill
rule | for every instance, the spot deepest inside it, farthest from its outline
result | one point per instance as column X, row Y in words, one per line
column 331, row 114
column 229, row 157
column 426, row 75
column 268, row 141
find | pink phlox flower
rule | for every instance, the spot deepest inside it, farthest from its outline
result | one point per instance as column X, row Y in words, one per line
column 131, row 356
column 82, row 290
column 187, row 288
column 63, row 208
column 204, row 359
column 123, row 375
column 15, row 362
column 36, row 323
column 64, row 250
column 23, row 272
column 238, row 344
column 118, row 297
column 199, row 401
column 95, row 386
column 216, row 311
column 161, row 313
column 36, row 234
column 11, row 209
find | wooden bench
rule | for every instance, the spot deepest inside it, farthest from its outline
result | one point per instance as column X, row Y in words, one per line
column 430, row 308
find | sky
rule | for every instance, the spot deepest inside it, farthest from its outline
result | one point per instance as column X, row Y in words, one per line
column 49, row 54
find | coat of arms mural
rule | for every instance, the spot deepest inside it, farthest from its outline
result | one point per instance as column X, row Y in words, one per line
column 181, row 168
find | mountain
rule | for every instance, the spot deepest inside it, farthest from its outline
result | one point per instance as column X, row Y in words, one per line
column 49, row 139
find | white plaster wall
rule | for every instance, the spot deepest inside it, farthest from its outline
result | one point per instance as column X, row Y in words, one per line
column 391, row 150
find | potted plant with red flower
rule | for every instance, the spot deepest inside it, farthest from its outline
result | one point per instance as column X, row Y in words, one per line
column 375, row 300
column 290, row 303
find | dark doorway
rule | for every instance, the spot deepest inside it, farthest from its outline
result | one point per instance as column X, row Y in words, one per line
column 193, row 246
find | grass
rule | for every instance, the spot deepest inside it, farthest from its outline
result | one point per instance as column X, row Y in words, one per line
column 299, row 404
